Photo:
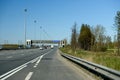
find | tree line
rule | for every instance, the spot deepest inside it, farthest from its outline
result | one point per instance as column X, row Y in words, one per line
column 94, row 38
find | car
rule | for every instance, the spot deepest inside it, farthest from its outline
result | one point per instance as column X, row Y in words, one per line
column 52, row 46
column 41, row 48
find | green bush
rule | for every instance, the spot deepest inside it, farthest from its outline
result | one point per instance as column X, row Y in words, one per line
column 103, row 48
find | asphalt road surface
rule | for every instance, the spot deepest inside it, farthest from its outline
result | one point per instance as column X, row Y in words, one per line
column 35, row 64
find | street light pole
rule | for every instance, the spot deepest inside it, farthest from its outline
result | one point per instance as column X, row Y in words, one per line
column 25, row 10
column 40, row 33
column 35, row 30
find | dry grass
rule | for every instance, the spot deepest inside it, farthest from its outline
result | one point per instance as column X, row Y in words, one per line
column 108, row 58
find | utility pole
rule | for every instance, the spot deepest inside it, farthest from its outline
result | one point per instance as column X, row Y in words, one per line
column 25, row 10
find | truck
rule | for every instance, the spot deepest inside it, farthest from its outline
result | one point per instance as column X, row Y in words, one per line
column 52, row 46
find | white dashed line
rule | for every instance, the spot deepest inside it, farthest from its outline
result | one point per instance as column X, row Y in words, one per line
column 38, row 61
column 11, row 72
column 9, row 56
column 29, row 76
column 22, row 54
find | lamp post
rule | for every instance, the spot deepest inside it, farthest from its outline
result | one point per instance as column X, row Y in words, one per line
column 40, row 34
column 35, row 30
column 25, row 10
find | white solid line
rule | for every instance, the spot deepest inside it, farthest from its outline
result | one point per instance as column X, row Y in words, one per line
column 41, row 58
column 13, row 73
column 13, row 70
column 29, row 76
column 34, row 60
column 38, row 61
column 1, row 76
column 47, row 52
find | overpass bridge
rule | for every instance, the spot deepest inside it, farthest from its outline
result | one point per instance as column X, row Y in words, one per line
column 61, row 43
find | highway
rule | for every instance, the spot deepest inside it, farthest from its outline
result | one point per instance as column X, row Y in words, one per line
column 35, row 64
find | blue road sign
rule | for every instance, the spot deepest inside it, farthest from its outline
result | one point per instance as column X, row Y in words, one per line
column 56, row 41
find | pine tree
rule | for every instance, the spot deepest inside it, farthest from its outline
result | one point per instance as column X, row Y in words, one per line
column 117, row 23
column 85, row 37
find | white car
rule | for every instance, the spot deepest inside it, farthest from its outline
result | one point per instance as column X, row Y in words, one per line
column 41, row 48
column 52, row 46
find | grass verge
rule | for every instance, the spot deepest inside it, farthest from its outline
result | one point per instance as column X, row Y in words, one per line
column 108, row 58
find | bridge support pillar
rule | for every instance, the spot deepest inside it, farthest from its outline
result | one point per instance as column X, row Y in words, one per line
column 63, row 43
column 29, row 43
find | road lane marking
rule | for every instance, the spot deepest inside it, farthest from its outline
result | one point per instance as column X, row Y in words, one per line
column 22, row 54
column 41, row 58
column 15, row 70
column 9, row 56
column 29, row 76
column 34, row 60
column 10, row 73
column 38, row 61
column 48, row 52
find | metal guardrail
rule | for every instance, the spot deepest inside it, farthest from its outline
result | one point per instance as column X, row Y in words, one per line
column 105, row 72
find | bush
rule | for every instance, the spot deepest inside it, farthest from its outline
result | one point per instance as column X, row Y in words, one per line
column 103, row 48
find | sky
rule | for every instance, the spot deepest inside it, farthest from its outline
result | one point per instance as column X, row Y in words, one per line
column 55, row 17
